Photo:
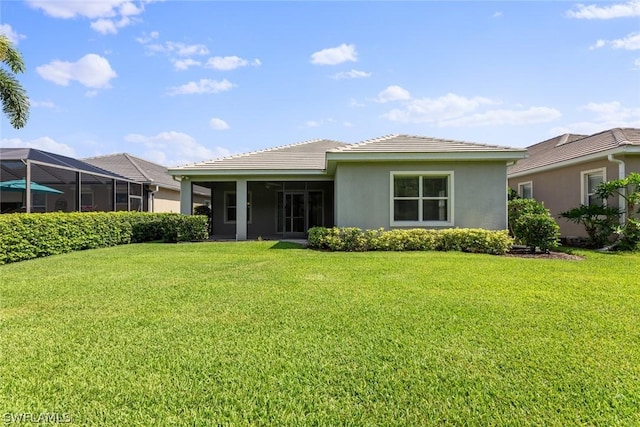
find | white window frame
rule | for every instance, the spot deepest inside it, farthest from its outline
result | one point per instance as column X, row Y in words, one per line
column 521, row 186
column 421, row 174
column 226, row 212
column 584, row 184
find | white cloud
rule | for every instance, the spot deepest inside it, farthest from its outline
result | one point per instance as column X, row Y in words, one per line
column 607, row 115
column 183, row 64
column 497, row 15
column 353, row 74
column 218, row 124
column 91, row 70
column 506, row 117
column 202, row 86
column 146, row 39
column 175, row 148
column 636, row 64
column 429, row 110
column 13, row 36
column 353, row 103
column 226, row 63
column 312, row 124
column 393, row 93
column 335, row 55
column 178, row 48
column 592, row 11
column 630, row 42
column 44, row 143
column 42, row 104
column 108, row 15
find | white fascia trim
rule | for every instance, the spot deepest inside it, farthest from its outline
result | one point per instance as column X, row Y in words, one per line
column 578, row 160
column 246, row 172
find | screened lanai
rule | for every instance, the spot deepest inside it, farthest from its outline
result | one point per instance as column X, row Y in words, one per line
column 39, row 181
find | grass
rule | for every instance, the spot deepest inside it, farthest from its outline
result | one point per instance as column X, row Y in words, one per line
column 260, row 333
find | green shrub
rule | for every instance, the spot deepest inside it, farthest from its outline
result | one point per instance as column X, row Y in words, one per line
column 531, row 224
column 417, row 239
column 27, row 236
column 537, row 230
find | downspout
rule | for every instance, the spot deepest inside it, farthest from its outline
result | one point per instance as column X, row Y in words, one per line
column 150, row 200
column 622, row 172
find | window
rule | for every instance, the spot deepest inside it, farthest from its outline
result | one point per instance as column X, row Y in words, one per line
column 525, row 190
column 590, row 181
column 230, row 207
column 421, row 198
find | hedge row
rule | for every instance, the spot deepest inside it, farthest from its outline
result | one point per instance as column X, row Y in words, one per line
column 26, row 236
column 417, row 239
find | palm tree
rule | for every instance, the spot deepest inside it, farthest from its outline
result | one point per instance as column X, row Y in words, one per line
column 15, row 102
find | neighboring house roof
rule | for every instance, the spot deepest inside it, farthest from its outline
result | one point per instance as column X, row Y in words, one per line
column 319, row 156
column 57, row 160
column 136, row 169
column 307, row 155
column 139, row 170
column 570, row 148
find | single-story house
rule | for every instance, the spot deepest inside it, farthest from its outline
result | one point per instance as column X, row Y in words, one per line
column 160, row 191
column 563, row 172
column 396, row 181
column 57, row 183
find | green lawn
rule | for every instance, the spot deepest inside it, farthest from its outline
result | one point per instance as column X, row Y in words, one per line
column 265, row 333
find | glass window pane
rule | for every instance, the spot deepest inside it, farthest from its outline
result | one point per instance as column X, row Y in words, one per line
column 405, row 210
column 595, row 201
column 231, row 213
column 525, row 191
column 434, row 186
column 231, row 199
column 434, row 210
column 593, row 182
column 406, row 186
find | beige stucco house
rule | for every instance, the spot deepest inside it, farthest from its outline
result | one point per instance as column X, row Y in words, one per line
column 161, row 193
column 563, row 172
column 396, row 181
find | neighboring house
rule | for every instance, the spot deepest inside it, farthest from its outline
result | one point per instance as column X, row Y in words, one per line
column 391, row 182
column 61, row 184
column 563, row 172
column 161, row 192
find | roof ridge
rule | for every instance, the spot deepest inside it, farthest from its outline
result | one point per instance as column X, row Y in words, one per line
column 620, row 137
column 135, row 165
column 367, row 141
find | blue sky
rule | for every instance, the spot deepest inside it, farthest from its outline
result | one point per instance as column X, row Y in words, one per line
column 184, row 81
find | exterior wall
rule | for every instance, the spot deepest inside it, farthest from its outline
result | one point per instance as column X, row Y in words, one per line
column 165, row 200
column 363, row 193
column 560, row 189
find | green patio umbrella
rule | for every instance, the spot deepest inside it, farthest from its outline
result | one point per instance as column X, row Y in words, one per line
column 21, row 185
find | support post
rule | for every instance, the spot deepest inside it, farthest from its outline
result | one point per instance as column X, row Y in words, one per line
column 241, row 209
column 186, row 191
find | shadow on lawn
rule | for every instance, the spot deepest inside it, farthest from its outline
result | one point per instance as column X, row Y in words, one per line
column 287, row 245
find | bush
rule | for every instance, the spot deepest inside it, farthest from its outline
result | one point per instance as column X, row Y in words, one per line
column 537, row 231
column 531, row 224
column 417, row 239
column 27, row 236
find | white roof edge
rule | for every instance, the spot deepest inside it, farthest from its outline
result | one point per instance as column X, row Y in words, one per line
column 625, row 149
column 244, row 172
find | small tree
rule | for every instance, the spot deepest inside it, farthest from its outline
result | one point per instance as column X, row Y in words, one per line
column 599, row 221
column 629, row 190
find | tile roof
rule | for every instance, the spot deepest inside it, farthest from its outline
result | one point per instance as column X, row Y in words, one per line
column 572, row 147
column 136, row 169
column 419, row 144
column 307, row 155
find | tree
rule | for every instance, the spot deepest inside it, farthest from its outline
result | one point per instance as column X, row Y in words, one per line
column 15, row 102
column 628, row 189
